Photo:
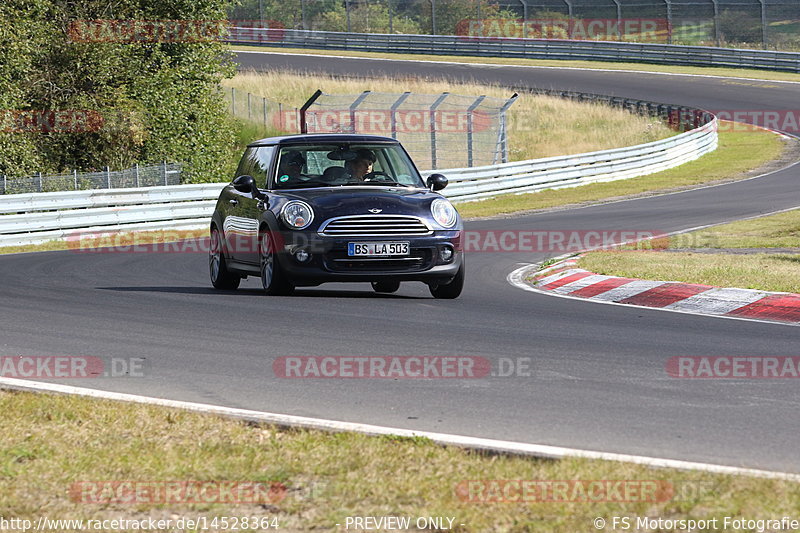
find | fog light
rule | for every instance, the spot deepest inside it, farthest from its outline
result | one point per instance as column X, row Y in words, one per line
column 446, row 254
column 302, row 256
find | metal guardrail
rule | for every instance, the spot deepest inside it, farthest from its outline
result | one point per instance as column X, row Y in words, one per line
column 37, row 218
column 662, row 54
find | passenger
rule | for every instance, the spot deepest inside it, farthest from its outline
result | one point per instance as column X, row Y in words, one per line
column 291, row 167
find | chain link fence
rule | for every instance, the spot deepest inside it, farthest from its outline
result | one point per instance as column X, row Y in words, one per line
column 261, row 110
column 136, row 176
column 438, row 130
column 772, row 24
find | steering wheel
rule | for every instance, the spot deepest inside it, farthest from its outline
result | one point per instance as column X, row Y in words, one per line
column 377, row 175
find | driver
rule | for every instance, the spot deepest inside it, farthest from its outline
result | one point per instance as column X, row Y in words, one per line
column 361, row 166
column 291, row 166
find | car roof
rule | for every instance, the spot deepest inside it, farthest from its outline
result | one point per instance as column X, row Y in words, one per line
column 317, row 138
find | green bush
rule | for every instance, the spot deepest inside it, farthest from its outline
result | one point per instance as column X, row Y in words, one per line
column 158, row 101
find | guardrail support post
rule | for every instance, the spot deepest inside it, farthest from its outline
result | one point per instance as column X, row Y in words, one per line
column 470, row 109
column 393, row 112
column 433, row 127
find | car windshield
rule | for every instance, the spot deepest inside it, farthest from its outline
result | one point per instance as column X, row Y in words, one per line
column 334, row 165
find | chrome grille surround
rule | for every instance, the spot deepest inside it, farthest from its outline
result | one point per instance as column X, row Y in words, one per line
column 375, row 226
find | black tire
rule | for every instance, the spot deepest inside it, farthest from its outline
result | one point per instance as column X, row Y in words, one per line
column 386, row 286
column 221, row 278
column 450, row 290
column 273, row 278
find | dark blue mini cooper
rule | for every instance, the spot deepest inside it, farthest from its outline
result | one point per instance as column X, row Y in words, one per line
column 307, row 209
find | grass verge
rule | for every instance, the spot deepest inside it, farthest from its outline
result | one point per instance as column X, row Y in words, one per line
column 638, row 67
column 764, row 271
column 738, row 154
column 48, row 443
column 538, row 126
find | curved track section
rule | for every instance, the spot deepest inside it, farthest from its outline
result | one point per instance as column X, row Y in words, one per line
column 598, row 372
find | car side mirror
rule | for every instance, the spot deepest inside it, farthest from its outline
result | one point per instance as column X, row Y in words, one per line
column 247, row 185
column 437, row 182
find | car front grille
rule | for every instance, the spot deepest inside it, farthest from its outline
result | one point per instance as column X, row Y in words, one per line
column 374, row 226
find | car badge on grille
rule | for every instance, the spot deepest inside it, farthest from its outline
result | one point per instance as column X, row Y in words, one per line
column 375, row 211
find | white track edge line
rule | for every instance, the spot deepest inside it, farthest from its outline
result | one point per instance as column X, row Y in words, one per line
column 521, row 448
column 591, row 69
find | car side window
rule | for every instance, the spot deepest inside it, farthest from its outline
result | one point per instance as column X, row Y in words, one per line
column 256, row 162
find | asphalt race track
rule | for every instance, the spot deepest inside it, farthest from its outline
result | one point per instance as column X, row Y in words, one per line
column 598, row 372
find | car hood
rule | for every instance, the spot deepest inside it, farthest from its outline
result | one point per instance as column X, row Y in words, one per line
column 355, row 200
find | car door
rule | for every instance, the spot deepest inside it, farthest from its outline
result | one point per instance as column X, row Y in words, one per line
column 244, row 211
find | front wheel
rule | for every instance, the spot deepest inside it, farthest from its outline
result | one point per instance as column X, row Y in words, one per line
column 273, row 278
column 452, row 289
column 221, row 278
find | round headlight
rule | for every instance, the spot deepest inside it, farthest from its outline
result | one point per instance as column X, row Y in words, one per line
column 297, row 214
column 444, row 213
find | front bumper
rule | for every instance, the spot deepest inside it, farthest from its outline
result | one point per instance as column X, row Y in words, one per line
column 328, row 259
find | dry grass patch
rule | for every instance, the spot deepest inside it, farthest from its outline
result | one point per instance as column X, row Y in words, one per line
column 539, row 126
column 47, row 443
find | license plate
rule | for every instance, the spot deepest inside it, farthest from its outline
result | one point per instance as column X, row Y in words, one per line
column 368, row 249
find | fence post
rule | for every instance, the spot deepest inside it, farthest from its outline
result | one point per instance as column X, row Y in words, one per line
column 108, row 177
column 433, row 17
column 39, row 175
column 504, row 133
column 136, row 173
column 764, row 37
column 470, row 109
column 433, row 127
column 5, row 184
column 393, row 112
column 75, row 178
column 303, row 13
column 669, row 21
column 264, row 104
column 353, row 107
column 347, row 10
column 233, row 101
column 717, row 38
column 249, row 113
column 164, row 170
